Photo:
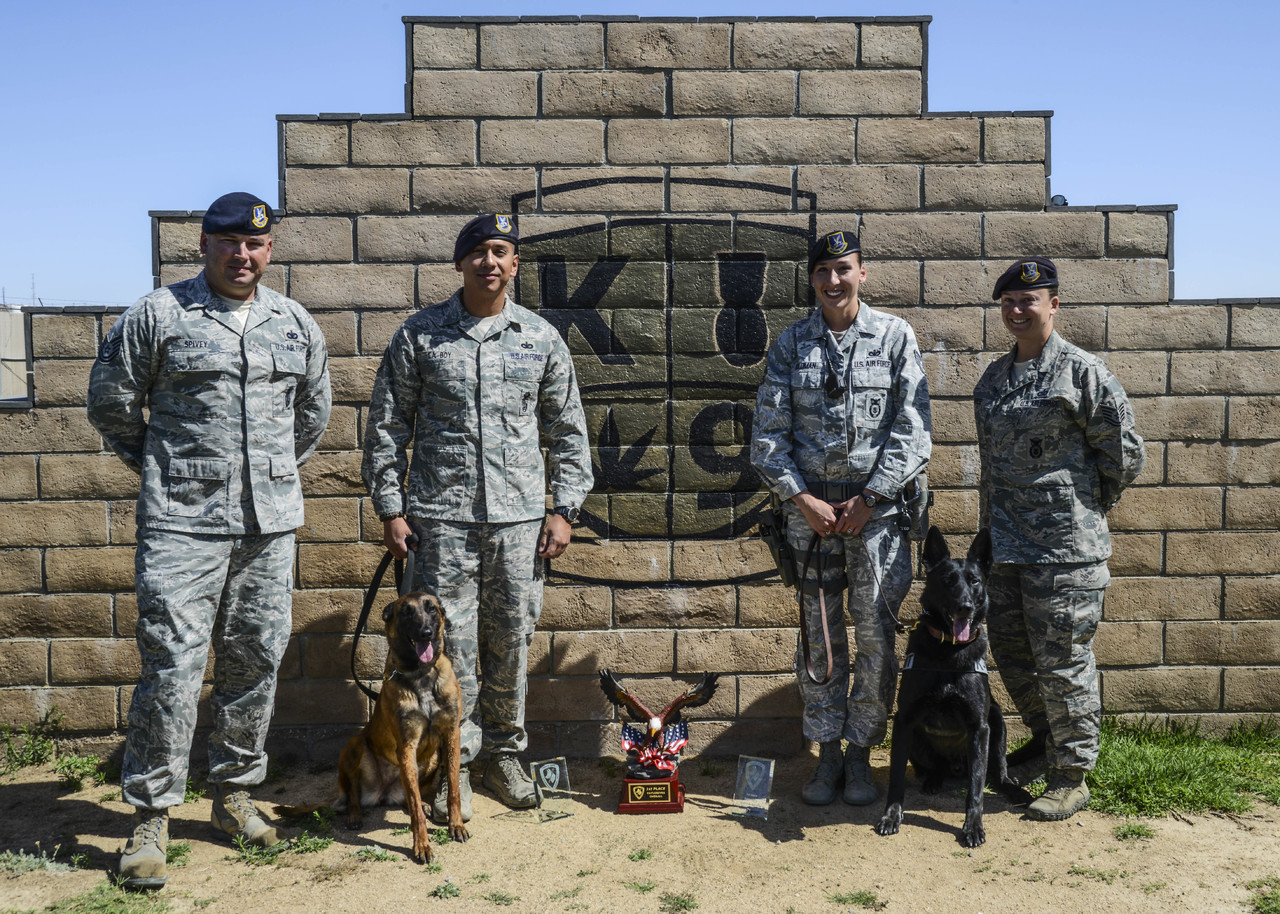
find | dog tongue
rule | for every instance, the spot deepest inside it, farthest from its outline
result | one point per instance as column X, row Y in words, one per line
column 960, row 630
column 425, row 651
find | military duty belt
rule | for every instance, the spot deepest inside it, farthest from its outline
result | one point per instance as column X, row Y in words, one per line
column 836, row 491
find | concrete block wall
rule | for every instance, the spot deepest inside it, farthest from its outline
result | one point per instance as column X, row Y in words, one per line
column 666, row 175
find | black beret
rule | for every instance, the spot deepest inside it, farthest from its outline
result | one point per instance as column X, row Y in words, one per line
column 239, row 214
column 482, row 228
column 832, row 244
column 1032, row 273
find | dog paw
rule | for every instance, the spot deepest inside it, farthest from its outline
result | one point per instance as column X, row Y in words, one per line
column 973, row 836
column 458, row 832
column 890, row 823
column 421, row 852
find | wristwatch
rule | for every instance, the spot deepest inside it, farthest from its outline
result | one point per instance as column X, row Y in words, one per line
column 569, row 514
column 870, row 499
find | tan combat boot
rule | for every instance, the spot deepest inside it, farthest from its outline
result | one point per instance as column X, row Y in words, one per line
column 234, row 814
column 1066, row 796
column 505, row 776
column 827, row 777
column 440, row 802
column 859, row 789
column 143, row 863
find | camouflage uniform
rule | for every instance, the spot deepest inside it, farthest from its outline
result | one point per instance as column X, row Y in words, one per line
column 231, row 417
column 476, row 489
column 876, row 435
column 1057, row 448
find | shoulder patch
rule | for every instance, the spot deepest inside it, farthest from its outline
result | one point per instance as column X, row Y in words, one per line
column 1116, row 413
column 110, row 348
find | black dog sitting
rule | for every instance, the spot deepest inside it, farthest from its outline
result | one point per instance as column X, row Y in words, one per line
column 947, row 724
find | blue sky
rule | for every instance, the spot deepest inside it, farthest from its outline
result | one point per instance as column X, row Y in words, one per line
column 113, row 109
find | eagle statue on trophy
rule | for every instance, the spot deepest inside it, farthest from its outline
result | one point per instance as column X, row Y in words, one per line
column 655, row 751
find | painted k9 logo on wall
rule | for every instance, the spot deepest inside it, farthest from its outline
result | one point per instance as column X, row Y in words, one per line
column 669, row 318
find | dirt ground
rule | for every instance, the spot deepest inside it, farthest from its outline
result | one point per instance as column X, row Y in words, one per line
column 801, row 859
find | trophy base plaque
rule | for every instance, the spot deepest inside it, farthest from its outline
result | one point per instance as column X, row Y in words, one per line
column 655, row 795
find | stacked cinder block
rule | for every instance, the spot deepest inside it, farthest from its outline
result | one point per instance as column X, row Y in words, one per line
column 666, row 175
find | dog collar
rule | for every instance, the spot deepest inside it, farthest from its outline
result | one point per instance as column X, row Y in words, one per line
column 979, row 666
column 947, row 639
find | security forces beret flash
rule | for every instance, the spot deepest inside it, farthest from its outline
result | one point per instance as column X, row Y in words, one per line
column 481, row 229
column 238, row 213
column 832, row 244
column 1032, row 273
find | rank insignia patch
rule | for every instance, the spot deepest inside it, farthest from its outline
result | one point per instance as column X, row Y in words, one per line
column 109, row 349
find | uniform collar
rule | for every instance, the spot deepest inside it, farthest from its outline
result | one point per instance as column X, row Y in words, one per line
column 1045, row 363
column 816, row 327
column 456, row 314
column 260, row 311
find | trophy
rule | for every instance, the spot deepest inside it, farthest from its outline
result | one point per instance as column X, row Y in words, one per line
column 653, row 755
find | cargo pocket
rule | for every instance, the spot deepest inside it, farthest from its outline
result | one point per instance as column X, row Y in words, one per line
column 286, row 491
column 289, row 369
column 197, row 487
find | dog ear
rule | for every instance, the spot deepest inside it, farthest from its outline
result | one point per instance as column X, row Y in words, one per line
column 935, row 548
column 980, row 550
column 388, row 612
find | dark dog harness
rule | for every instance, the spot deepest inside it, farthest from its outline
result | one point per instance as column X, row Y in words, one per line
column 978, row 666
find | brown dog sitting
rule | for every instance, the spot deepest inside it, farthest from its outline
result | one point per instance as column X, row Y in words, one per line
column 414, row 725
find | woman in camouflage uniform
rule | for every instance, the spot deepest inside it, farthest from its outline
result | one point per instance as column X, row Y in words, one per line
column 841, row 424
column 1057, row 445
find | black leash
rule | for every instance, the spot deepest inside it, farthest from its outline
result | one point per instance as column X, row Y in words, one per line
column 822, row 604
column 804, row 617
column 404, row 584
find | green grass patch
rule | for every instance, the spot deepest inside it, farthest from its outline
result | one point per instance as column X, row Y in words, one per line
column 108, row 898
column 501, row 898
column 321, row 820
column 15, row 863
column 177, row 853
column 445, row 889
column 258, row 856
column 441, row 836
column 672, row 903
column 1149, row 769
column 869, row 901
column 193, row 791
column 640, row 853
column 1096, row 874
column 308, row 844
column 31, row 744
column 641, row 887
column 1133, row 831
column 74, row 770
column 1266, row 895
column 369, row 852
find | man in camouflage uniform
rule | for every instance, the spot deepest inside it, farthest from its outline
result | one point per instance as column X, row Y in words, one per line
column 470, row 382
column 1057, row 445
column 841, row 425
column 235, row 377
